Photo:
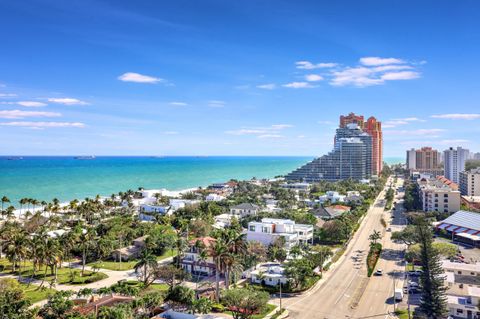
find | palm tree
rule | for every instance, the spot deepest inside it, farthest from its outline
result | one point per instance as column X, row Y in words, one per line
column 147, row 260
column 22, row 202
column 16, row 246
column 376, row 235
column 219, row 253
column 87, row 238
column 4, row 200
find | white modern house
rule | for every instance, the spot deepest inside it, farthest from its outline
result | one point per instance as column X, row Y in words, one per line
column 332, row 196
column 269, row 229
column 245, row 209
column 177, row 203
column 270, row 274
column 296, row 186
column 147, row 212
column 223, row 220
column 214, row 198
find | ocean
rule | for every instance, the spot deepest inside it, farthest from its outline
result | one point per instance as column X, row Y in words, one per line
column 67, row 178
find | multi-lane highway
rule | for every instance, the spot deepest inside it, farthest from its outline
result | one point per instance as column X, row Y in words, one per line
column 346, row 291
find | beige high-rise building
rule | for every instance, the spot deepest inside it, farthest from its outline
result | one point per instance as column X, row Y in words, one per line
column 427, row 158
column 439, row 197
column 470, row 182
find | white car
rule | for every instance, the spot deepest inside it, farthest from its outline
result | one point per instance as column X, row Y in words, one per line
column 379, row 272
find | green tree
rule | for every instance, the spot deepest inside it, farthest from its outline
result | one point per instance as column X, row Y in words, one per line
column 58, row 306
column 147, row 262
column 433, row 303
column 13, row 304
column 122, row 311
column 181, row 297
column 202, row 305
column 299, row 271
column 374, row 237
column 243, row 302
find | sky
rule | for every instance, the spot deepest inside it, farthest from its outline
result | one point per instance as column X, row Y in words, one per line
column 215, row 77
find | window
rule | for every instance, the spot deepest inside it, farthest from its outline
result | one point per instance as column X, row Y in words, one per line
column 251, row 228
column 459, row 310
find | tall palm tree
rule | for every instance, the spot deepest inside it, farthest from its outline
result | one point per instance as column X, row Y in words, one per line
column 16, row 246
column 146, row 260
column 219, row 252
column 86, row 239
column 5, row 199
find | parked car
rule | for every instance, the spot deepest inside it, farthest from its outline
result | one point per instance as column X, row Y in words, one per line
column 379, row 272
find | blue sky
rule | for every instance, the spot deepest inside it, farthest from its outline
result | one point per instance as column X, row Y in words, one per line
column 234, row 77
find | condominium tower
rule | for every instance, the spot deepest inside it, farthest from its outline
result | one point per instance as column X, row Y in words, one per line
column 454, row 162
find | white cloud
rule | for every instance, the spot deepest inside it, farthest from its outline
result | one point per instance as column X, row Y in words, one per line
column 454, row 141
column 457, row 116
column 326, row 122
column 298, row 85
column 18, row 114
column 271, row 136
column 260, row 131
column 357, row 76
column 422, row 132
column 178, row 103
column 7, row 95
column 307, row 65
column 384, row 68
column 313, row 77
column 216, row 103
column 247, row 132
column 170, row 132
column 139, row 78
column 281, row 126
column 269, row 86
column 43, row 124
column 401, row 121
column 31, row 103
column 67, row 101
column 404, row 75
column 373, row 61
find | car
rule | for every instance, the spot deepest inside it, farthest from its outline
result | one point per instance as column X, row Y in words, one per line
column 414, row 290
column 389, row 229
column 414, row 273
column 379, row 272
column 413, row 284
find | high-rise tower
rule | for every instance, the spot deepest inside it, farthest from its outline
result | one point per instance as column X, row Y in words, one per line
column 374, row 129
column 352, row 118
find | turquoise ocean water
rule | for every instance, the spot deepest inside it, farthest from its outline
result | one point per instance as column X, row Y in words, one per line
column 67, row 178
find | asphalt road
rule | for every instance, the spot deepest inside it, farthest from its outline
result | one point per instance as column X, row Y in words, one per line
column 346, row 291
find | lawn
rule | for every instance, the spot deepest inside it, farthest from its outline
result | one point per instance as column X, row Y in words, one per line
column 152, row 287
column 35, row 294
column 403, row 314
column 126, row 265
column 64, row 275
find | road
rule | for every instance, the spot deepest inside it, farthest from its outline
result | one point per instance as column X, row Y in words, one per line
column 346, row 291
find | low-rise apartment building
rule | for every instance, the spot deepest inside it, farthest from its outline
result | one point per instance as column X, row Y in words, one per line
column 269, row 229
column 463, row 284
column 437, row 196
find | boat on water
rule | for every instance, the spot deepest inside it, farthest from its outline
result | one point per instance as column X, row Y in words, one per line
column 91, row 157
column 14, row 158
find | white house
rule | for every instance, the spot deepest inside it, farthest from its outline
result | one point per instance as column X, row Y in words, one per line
column 270, row 274
column 148, row 212
column 269, row 229
column 296, row 186
column 465, row 306
column 245, row 209
column 214, row 198
column 332, row 196
column 223, row 220
column 177, row 203
column 192, row 261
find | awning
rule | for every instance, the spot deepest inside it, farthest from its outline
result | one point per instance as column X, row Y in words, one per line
column 461, row 230
column 469, row 236
column 472, row 231
column 443, row 226
column 451, row 227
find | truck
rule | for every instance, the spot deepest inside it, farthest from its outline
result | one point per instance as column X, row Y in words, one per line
column 398, row 294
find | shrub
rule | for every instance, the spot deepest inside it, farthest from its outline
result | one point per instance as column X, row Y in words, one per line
column 216, row 307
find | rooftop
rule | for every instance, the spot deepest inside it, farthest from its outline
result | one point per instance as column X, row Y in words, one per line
column 463, row 218
column 248, row 206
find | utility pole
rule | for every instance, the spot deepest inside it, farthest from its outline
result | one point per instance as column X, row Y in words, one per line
column 280, row 295
column 394, row 301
